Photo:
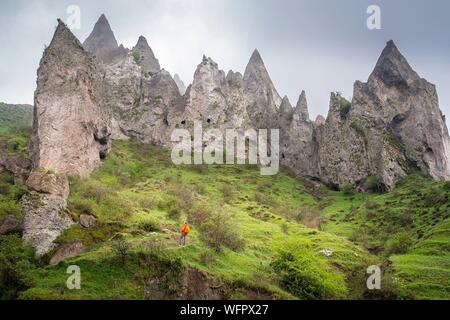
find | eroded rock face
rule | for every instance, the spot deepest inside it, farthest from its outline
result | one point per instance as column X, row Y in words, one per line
column 71, row 130
column 103, row 44
column 68, row 251
column 10, row 224
column 145, row 57
column 262, row 97
column 342, row 149
column 141, row 97
column 206, row 100
column 17, row 165
column 43, row 181
column 44, row 208
column 393, row 126
column 71, row 135
column 408, row 105
column 180, row 84
column 298, row 145
column 45, row 220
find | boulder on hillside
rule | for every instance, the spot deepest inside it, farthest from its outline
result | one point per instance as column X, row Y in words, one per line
column 68, row 251
column 10, row 224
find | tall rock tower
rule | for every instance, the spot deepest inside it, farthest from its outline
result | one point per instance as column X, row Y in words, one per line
column 71, row 135
column 71, row 125
column 392, row 127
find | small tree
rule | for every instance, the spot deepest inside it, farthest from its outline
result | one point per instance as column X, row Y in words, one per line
column 218, row 231
column 121, row 249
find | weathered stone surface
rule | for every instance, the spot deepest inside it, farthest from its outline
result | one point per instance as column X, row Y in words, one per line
column 68, row 251
column 44, row 181
column 206, row 99
column 342, row 150
column 103, row 44
column 71, row 130
column 16, row 165
column 45, row 220
column 87, row 221
column 9, row 225
column 180, row 84
column 301, row 109
column 409, row 108
column 145, row 57
column 262, row 97
column 298, row 145
column 394, row 125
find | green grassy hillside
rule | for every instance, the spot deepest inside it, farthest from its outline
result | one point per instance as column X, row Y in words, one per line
column 15, row 128
column 252, row 236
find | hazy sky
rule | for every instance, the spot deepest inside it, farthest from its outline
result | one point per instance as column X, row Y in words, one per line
column 318, row 46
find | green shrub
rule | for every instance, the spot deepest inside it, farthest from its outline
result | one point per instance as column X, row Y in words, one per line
column 399, row 243
column 372, row 184
column 357, row 127
column 227, row 192
column 285, row 228
column 348, row 190
column 207, row 258
column 446, row 186
column 264, row 185
column 94, row 189
column 16, row 192
column 10, row 208
column 435, row 197
column 136, row 55
column 199, row 213
column 265, row 199
column 172, row 206
column 150, row 226
column 345, row 107
column 182, row 194
column 218, row 231
column 121, row 249
column 115, row 208
column 310, row 217
column 17, row 144
column 17, row 262
column 4, row 188
column 307, row 276
column 78, row 206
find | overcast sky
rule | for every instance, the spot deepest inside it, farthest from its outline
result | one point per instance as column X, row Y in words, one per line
column 314, row 45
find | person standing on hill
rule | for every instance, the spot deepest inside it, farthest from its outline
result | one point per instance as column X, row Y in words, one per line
column 185, row 229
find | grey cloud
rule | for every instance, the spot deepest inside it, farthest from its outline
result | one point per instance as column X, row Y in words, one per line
column 317, row 45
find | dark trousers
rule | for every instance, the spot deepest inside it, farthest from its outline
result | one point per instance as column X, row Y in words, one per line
column 182, row 240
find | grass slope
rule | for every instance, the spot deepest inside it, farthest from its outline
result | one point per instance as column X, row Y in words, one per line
column 260, row 236
column 141, row 195
column 15, row 128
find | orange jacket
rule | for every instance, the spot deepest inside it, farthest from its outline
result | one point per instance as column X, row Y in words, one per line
column 185, row 229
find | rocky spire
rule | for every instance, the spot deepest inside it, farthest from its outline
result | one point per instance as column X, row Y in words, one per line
column 301, row 109
column 69, row 96
column 71, row 135
column 180, row 84
column 205, row 97
column 145, row 57
column 257, row 81
column 285, row 107
column 392, row 68
column 102, row 43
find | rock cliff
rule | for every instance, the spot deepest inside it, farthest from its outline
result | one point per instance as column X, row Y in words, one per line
column 392, row 126
column 71, row 129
